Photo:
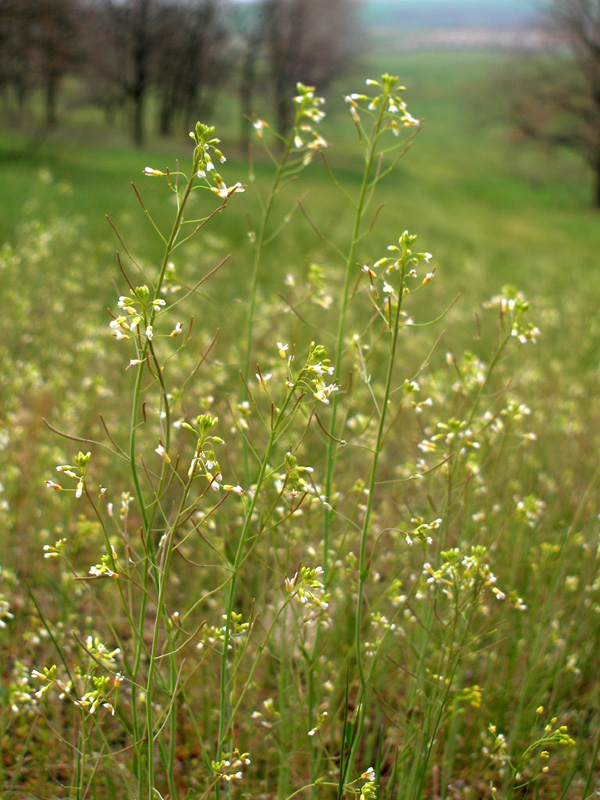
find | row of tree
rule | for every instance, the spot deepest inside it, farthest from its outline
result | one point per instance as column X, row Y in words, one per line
column 181, row 51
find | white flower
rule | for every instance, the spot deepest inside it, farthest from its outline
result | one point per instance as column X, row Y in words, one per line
column 149, row 333
column 262, row 379
column 224, row 191
column 259, row 125
column 282, row 349
column 177, row 329
column 237, row 489
column 55, row 486
column 154, row 173
column 160, row 450
column 323, row 391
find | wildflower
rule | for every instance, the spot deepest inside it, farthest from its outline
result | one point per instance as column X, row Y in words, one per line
column 323, row 391
column 153, row 173
column 259, row 125
column 160, row 450
column 55, row 550
column 149, row 333
column 134, row 362
column 224, row 191
column 55, row 486
column 262, row 379
column 282, row 348
column 177, row 329
column 237, row 489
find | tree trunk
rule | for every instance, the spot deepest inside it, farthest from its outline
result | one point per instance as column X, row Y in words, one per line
column 138, row 118
column 52, row 81
column 167, row 112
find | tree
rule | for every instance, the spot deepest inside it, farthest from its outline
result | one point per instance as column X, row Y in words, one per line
column 308, row 41
column 55, row 41
column 559, row 101
column 38, row 47
column 191, row 59
column 121, row 44
column 16, row 74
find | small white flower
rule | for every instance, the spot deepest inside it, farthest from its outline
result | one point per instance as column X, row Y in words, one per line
column 149, row 333
column 177, row 329
column 224, row 191
column 262, row 379
column 160, row 450
column 259, row 125
column 323, row 391
column 237, row 489
column 154, row 173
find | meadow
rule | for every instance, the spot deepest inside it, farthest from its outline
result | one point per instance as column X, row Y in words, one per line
column 326, row 520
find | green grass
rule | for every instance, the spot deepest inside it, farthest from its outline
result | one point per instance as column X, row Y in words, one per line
column 457, row 660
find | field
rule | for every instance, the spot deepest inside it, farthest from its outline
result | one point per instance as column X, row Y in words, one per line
column 376, row 573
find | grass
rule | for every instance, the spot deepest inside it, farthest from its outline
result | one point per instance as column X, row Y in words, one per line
column 437, row 630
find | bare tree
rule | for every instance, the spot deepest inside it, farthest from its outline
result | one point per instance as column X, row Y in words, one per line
column 191, row 59
column 55, row 40
column 120, row 44
column 308, row 41
column 558, row 102
column 38, row 46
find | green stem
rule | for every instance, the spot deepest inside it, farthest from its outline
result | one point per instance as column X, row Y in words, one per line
column 363, row 566
column 332, row 443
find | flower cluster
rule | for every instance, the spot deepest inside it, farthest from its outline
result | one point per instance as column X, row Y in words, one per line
column 308, row 113
column 387, row 100
column 403, row 261
column 514, row 305
column 368, row 790
column 421, row 530
column 230, row 767
column 137, row 312
column 306, row 587
column 213, row 636
column 318, row 366
column 461, row 577
column 76, row 471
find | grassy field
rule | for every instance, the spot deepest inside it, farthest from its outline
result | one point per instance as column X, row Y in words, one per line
column 419, row 612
